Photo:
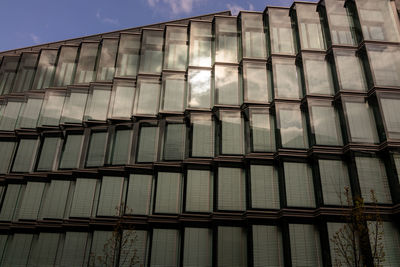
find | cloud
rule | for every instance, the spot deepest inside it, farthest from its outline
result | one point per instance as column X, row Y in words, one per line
column 176, row 7
column 34, row 38
column 106, row 19
column 234, row 8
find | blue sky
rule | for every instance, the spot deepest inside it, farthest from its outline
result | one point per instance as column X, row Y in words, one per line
column 30, row 22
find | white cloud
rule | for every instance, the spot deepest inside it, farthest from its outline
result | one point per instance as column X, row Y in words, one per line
column 106, row 19
column 234, row 8
column 175, row 6
column 35, row 38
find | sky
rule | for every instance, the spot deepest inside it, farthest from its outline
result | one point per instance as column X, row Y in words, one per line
column 31, row 22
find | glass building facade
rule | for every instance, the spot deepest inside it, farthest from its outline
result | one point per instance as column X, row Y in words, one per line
column 217, row 140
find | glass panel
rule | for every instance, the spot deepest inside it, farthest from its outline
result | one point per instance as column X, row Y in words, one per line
column 361, row 122
column 165, row 248
column 372, row 177
column 45, row 69
column 286, row 79
column 227, row 90
column 55, row 199
column 51, row 109
column 200, row 44
column 299, row 185
column 71, row 151
column 280, row 31
column 133, row 248
column 389, row 240
column 262, row 131
column 147, row 144
column 44, row 250
column 26, row 72
column 310, row 28
column 110, row 196
column 121, row 147
column 396, row 158
column 100, row 251
column 31, row 200
column 175, row 57
column 97, row 149
column 8, row 70
column 48, row 154
column 197, row 247
column 385, row 65
column 128, row 55
column 6, row 153
column 378, row 20
column 174, row 93
column 253, row 37
column 305, row 245
column 199, row 191
column 335, row 181
column 10, row 202
column 174, row 141
column 317, row 75
column 291, row 124
column 256, row 87
column 82, row 201
column 226, row 40
column 199, row 88
column 264, row 187
column 391, row 115
column 267, row 246
column 66, row 65
column 350, row 71
column 10, row 115
column 232, row 139
column 232, row 246
column 139, row 194
column 25, row 155
column 202, row 139
column 123, row 95
column 326, row 125
column 74, row 107
column 151, row 54
column 75, row 249
column 17, row 251
column 29, row 114
column 168, row 194
column 86, row 63
column 97, row 104
column 147, row 97
column 231, row 189
column 106, row 64
column 335, row 230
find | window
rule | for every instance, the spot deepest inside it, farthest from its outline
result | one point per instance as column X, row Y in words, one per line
column 17, row 250
column 98, row 253
column 45, row 69
column 280, row 31
column 70, row 156
column 8, row 70
column 6, row 153
column 31, row 201
column 74, row 251
column 139, row 194
column 232, row 246
column 325, row 124
column 44, row 250
column 350, row 71
column 199, row 88
column 25, row 155
column 299, row 185
column 262, row 131
column 10, row 115
column 175, row 57
column 291, row 124
column 226, row 40
column 286, row 78
column 337, row 258
column 232, row 130
column 74, row 105
column 256, row 86
column 82, row 201
column 151, row 54
column 48, row 153
column 227, row 90
column 173, row 93
column 110, row 196
column 25, row 73
column 121, row 147
column 305, row 247
column 267, row 246
column 147, row 97
column 264, row 187
column 123, row 94
column 97, row 149
column 147, row 144
column 202, row 135
column 335, row 181
column 390, row 105
column 231, row 189
column 106, row 62
column 51, row 109
column 86, row 63
column 200, row 44
column 309, row 26
column 10, row 201
column 66, row 64
column 361, row 122
column 253, row 36
column 372, row 176
column 165, row 248
column 174, row 141
column 55, row 199
column 97, row 103
column 199, row 191
column 317, row 75
column 197, row 247
column 168, row 193
column 128, row 55
column 390, row 242
column 29, row 115
column 135, row 248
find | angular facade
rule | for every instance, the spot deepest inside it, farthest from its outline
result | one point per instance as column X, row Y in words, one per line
column 216, row 140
